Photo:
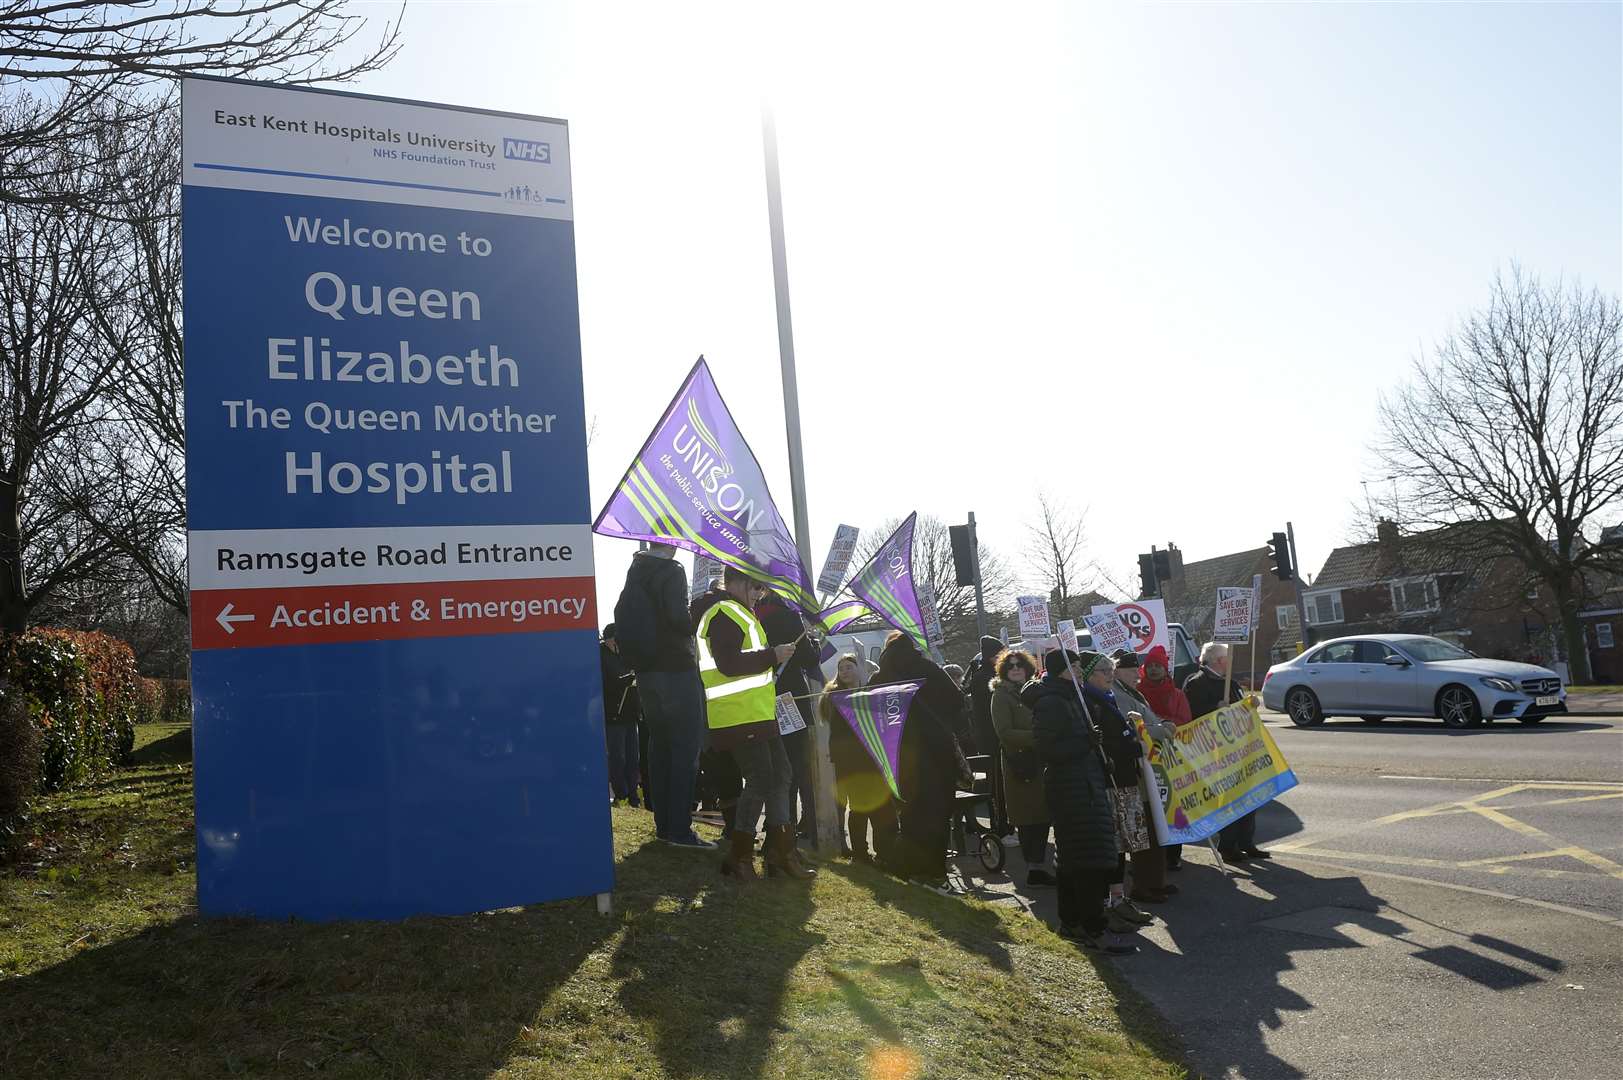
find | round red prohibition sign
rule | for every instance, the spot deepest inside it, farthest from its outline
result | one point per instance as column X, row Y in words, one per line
column 1140, row 622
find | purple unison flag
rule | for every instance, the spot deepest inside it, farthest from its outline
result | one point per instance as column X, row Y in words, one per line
column 877, row 715
column 885, row 585
column 696, row 485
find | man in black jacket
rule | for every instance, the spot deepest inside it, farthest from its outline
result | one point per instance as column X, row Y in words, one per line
column 671, row 694
column 1204, row 689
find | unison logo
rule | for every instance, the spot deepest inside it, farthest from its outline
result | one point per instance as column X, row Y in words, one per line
column 527, row 150
column 699, row 449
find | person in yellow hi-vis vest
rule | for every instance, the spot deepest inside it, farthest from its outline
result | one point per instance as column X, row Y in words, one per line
column 736, row 666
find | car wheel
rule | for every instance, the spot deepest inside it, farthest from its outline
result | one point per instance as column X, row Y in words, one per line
column 1372, row 719
column 1302, row 705
column 1457, row 707
column 1529, row 721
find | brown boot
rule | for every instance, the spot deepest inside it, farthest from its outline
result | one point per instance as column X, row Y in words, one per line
column 783, row 857
column 740, row 859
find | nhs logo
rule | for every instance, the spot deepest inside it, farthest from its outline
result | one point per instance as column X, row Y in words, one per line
column 526, row 150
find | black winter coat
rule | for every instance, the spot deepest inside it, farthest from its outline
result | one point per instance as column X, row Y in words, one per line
column 1118, row 738
column 978, row 685
column 1204, row 689
column 929, row 750
column 1074, row 778
column 666, row 585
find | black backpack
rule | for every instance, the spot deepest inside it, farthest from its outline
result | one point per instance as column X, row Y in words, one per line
column 635, row 627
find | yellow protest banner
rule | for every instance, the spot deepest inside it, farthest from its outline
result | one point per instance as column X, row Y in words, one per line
column 1218, row 768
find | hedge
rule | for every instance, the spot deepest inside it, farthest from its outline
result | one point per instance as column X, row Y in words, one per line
column 163, row 701
column 81, row 691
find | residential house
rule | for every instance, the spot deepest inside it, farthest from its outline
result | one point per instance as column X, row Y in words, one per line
column 1190, row 592
column 1434, row 583
column 1602, row 620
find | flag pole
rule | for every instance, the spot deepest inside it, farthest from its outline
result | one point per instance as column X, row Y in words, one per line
column 828, row 842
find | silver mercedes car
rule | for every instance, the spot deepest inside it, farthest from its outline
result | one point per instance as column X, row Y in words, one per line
column 1379, row 675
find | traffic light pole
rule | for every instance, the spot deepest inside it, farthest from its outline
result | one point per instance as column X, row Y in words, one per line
column 1296, row 580
column 980, row 596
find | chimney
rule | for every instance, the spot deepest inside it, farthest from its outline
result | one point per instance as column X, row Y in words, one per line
column 1175, row 561
column 1386, row 532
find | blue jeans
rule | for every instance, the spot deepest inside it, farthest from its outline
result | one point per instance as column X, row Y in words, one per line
column 623, row 761
column 673, row 710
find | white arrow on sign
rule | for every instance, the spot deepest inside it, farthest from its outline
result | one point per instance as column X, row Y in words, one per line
column 225, row 618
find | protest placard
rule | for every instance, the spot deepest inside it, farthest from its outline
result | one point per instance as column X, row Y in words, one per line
column 1033, row 617
column 839, row 559
column 1147, row 619
column 1067, row 635
column 1233, row 620
column 789, row 718
column 1110, row 632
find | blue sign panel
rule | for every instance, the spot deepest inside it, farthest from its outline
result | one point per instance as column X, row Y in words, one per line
column 397, row 707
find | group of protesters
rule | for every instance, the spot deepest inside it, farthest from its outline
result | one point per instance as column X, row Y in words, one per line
column 702, row 681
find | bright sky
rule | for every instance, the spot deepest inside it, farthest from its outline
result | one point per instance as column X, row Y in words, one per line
column 1053, row 247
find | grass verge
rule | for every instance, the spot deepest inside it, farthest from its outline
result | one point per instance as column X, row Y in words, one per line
column 106, row 970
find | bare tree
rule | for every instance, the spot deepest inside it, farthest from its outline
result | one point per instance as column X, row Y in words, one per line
column 64, row 63
column 133, row 487
column 1515, row 424
column 54, row 377
column 1054, row 552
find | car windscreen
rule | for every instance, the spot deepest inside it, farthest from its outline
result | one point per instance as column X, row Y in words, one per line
column 1430, row 650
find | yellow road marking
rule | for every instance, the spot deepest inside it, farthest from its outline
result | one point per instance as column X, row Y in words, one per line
column 1474, row 805
column 1526, row 856
column 1583, row 855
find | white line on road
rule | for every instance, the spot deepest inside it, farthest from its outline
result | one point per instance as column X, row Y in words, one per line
column 1502, row 780
column 1564, row 909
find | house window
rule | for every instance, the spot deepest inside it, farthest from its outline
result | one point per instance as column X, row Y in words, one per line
column 1324, row 607
column 1603, row 635
column 1416, row 594
column 1286, row 616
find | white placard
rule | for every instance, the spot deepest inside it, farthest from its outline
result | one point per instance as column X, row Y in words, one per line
column 1233, row 620
column 706, row 572
column 839, row 559
column 789, row 718
column 1033, row 617
column 1110, row 632
column 1147, row 619
column 1067, row 635
column 927, row 609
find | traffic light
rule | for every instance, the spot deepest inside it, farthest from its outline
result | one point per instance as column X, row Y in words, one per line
column 1147, row 581
column 1163, row 565
column 963, row 554
column 1281, row 554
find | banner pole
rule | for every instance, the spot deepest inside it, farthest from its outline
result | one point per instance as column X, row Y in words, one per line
column 828, row 842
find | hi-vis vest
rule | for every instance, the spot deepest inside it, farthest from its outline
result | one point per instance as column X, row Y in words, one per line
column 744, row 699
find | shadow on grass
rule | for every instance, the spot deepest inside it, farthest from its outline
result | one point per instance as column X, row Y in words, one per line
column 973, row 928
column 425, row 997
column 172, row 749
column 724, row 952
column 702, row 968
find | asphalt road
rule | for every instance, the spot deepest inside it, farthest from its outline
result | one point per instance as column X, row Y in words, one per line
column 1442, row 905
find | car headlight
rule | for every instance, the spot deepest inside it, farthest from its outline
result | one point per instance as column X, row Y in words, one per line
column 1499, row 684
